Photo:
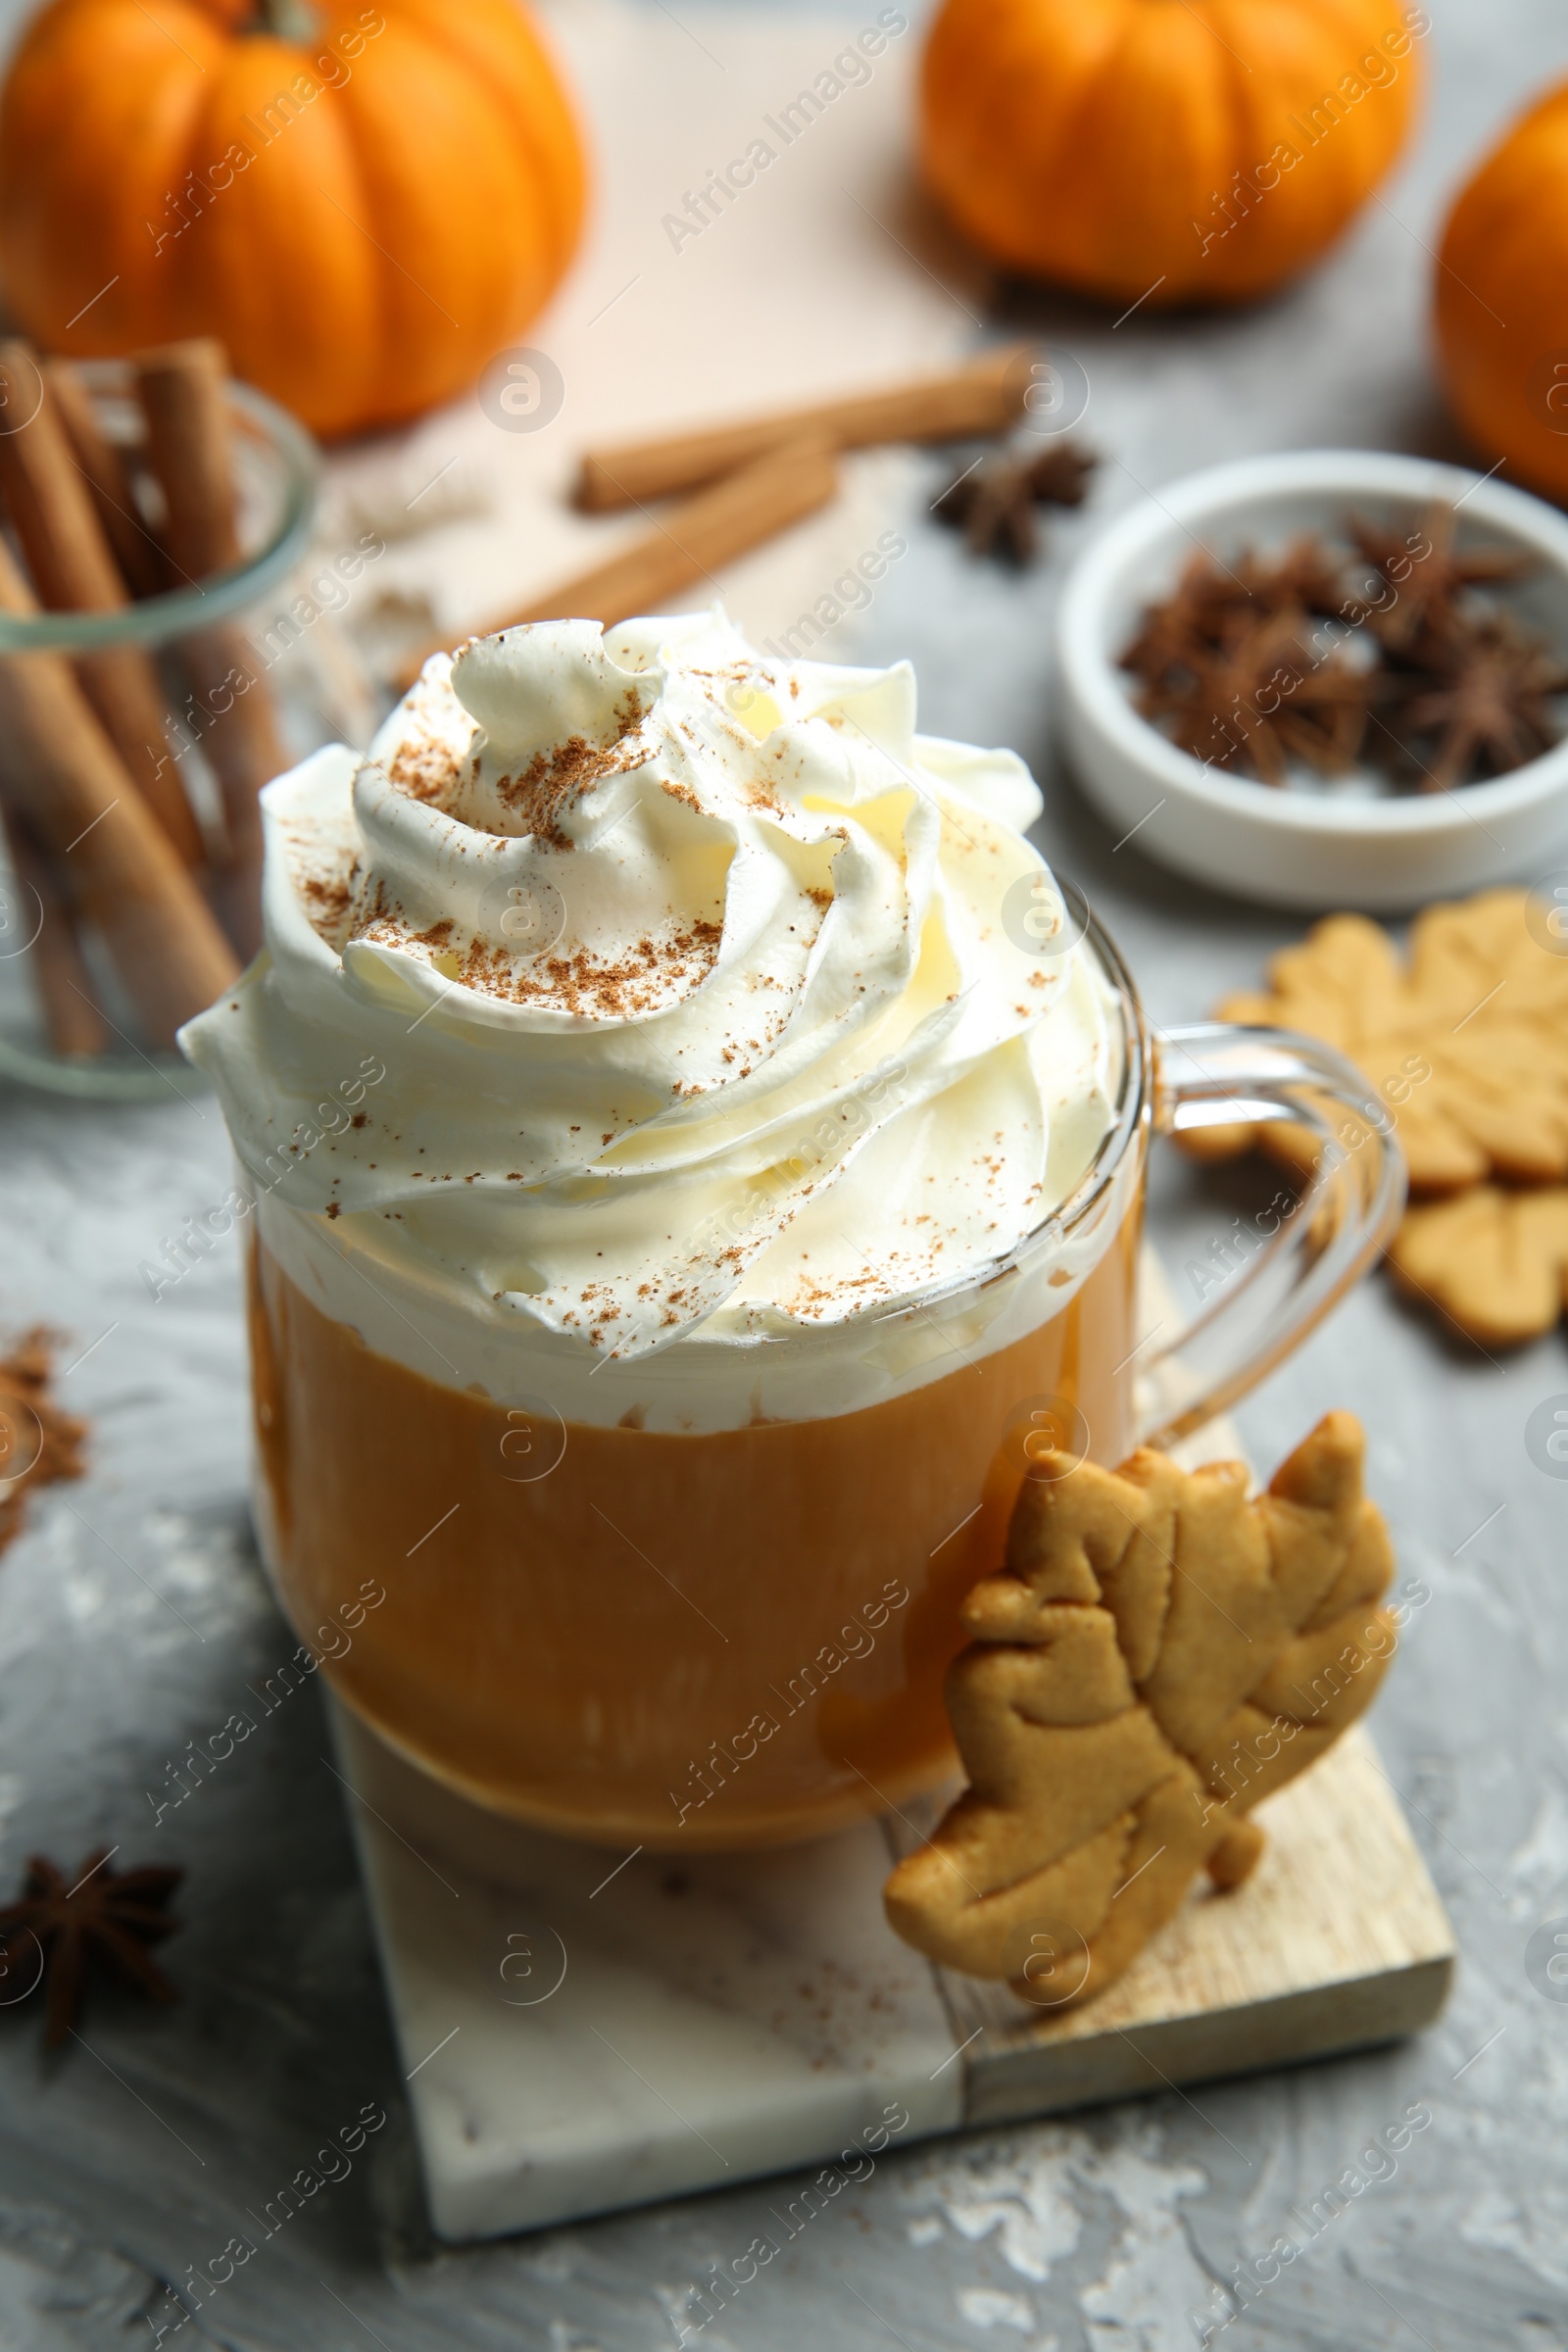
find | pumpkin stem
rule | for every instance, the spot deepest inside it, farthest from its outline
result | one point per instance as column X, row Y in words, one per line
column 289, row 19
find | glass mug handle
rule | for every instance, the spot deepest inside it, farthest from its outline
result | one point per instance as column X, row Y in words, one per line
column 1268, row 1285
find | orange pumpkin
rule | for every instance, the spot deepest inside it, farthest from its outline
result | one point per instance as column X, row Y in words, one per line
column 1173, row 150
column 366, row 203
column 1501, row 298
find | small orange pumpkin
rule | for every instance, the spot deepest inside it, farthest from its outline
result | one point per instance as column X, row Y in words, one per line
column 1169, row 150
column 1501, row 298
column 365, row 203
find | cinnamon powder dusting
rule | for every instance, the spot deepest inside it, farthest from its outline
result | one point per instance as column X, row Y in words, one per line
column 640, row 978
column 327, row 900
column 554, row 778
column 326, row 897
column 325, row 877
column 426, row 769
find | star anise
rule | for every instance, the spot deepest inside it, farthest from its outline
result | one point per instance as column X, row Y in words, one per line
column 993, row 501
column 102, row 1915
column 1265, row 695
column 1306, row 579
column 1217, row 604
column 1231, row 666
column 38, row 1441
column 1489, row 705
column 1235, row 669
column 1426, row 576
column 1181, row 629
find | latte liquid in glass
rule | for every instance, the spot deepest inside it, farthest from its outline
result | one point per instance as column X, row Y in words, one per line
column 724, row 1640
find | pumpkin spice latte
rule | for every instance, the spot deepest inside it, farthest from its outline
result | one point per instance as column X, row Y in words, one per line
column 750, row 1195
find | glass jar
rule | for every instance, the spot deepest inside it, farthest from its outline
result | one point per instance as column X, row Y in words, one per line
column 280, row 601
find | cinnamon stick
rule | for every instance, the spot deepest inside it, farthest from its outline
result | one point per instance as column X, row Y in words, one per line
column 72, row 1018
column 183, row 393
column 690, row 543
column 984, row 397
column 191, row 453
column 108, row 479
column 73, row 571
column 62, row 771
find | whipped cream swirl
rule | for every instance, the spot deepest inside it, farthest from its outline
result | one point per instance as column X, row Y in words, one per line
column 699, row 982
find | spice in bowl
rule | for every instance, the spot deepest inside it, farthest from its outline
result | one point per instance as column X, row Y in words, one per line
column 1381, row 657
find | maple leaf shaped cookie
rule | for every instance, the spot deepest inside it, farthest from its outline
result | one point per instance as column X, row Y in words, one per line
column 1159, row 1652
column 1497, row 1263
column 1465, row 1041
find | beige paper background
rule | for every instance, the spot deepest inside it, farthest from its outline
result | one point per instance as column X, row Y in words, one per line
column 809, row 284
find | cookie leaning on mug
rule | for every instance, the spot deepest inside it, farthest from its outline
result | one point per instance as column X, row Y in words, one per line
column 1464, row 1041
column 1158, row 1653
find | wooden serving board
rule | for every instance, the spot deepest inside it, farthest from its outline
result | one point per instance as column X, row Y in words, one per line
column 1337, row 1940
column 581, row 2033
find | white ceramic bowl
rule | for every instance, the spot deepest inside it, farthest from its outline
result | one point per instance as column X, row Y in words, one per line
column 1337, row 845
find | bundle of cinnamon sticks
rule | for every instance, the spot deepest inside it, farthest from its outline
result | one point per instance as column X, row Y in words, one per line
column 745, row 482
column 104, row 838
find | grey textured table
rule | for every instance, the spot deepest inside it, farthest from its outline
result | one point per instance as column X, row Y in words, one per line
column 132, row 1616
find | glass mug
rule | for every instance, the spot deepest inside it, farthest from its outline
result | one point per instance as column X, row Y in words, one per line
column 739, row 1639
